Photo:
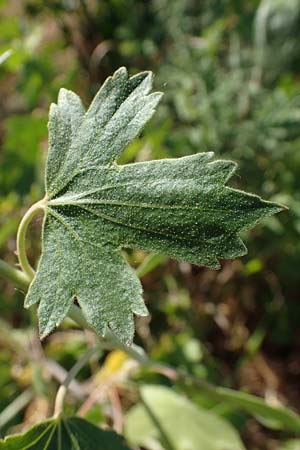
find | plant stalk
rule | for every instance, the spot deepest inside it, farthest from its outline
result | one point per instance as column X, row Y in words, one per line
column 21, row 237
column 61, row 393
column 15, row 407
column 17, row 277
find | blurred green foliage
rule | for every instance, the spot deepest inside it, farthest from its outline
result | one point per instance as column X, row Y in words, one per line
column 230, row 73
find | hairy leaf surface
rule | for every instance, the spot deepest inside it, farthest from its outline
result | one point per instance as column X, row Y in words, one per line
column 70, row 433
column 177, row 207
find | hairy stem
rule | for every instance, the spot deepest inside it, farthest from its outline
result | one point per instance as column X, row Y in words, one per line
column 17, row 277
column 21, row 237
column 61, row 393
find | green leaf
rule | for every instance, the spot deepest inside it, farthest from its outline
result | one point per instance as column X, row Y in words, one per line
column 279, row 418
column 70, row 433
column 94, row 207
column 163, row 417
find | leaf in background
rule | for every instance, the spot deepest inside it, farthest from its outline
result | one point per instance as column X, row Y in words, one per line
column 293, row 444
column 70, row 433
column 177, row 207
column 278, row 418
column 163, row 417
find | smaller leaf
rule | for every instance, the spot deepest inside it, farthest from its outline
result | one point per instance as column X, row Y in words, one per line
column 70, row 433
column 166, row 420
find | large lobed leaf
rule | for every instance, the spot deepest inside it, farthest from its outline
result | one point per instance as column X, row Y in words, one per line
column 177, row 207
column 70, row 433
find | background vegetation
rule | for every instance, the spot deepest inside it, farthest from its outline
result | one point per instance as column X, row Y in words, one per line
column 230, row 73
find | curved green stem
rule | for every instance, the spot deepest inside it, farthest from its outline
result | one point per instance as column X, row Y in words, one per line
column 61, row 393
column 21, row 237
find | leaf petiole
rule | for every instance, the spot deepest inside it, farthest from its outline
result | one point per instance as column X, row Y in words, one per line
column 21, row 237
